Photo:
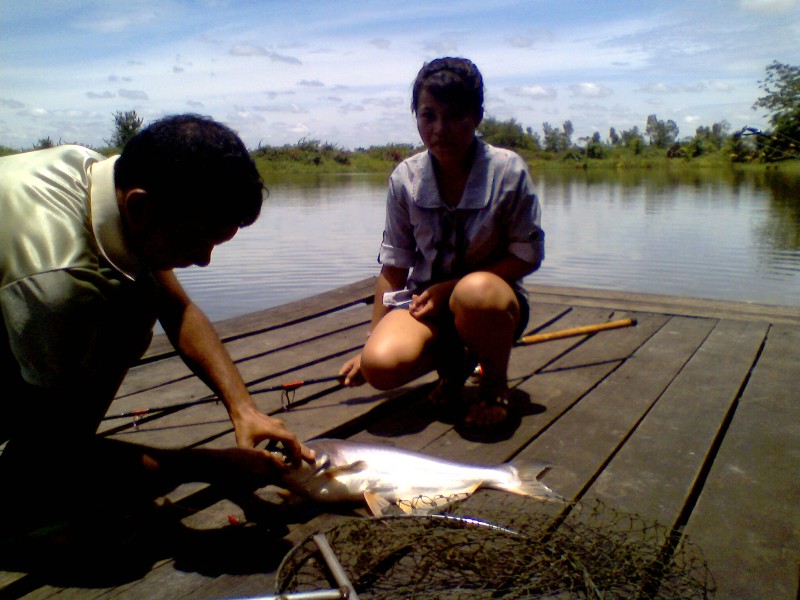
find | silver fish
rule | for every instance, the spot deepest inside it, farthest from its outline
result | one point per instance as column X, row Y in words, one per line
column 383, row 475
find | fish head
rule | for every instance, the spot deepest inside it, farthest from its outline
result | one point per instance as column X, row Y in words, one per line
column 325, row 480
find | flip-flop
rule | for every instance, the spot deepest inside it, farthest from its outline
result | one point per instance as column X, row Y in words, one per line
column 498, row 400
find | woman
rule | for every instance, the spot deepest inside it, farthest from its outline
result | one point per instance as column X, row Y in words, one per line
column 462, row 230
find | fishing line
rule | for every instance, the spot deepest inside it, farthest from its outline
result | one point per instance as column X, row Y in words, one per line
column 287, row 400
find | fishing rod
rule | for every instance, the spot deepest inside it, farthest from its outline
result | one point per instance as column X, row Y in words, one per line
column 287, row 395
column 574, row 331
column 287, row 389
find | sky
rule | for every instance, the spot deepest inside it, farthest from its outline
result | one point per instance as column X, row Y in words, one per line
column 340, row 71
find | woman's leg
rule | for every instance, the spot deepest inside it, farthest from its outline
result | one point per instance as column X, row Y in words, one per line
column 398, row 350
column 486, row 313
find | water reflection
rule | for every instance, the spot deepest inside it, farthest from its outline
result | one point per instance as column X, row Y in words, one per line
column 719, row 234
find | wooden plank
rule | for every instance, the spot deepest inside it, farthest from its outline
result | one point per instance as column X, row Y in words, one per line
column 279, row 316
column 573, row 371
column 672, row 305
column 585, row 438
column 246, row 351
column 263, row 370
column 747, row 517
column 655, row 472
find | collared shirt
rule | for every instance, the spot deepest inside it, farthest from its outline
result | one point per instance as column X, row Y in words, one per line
column 68, row 281
column 498, row 215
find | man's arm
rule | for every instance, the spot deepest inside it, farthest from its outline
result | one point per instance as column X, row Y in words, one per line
column 194, row 338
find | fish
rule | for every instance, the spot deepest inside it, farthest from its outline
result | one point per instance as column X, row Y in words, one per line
column 382, row 476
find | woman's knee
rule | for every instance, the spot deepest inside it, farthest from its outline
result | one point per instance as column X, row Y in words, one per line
column 386, row 365
column 483, row 291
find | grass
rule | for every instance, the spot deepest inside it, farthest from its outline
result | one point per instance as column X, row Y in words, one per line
column 310, row 156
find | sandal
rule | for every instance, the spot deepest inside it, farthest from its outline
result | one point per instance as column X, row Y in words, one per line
column 445, row 393
column 489, row 413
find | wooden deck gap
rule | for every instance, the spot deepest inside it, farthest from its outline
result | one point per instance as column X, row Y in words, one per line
column 549, row 322
column 309, row 340
column 705, row 469
column 239, row 336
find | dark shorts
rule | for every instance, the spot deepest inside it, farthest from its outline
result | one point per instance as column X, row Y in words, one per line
column 446, row 322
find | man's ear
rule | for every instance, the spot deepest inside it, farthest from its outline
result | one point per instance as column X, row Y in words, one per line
column 136, row 208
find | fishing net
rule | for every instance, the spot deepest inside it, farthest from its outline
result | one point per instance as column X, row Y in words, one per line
column 508, row 547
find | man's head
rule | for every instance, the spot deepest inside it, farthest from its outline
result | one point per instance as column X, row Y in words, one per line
column 185, row 184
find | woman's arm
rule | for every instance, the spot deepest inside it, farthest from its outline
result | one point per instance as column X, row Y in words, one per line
column 389, row 280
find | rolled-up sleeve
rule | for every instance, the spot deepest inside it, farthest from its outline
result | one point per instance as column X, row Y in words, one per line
column 525, row 234
column 398, row 247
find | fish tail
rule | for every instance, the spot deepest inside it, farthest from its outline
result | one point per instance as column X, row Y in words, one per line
column 528, row 483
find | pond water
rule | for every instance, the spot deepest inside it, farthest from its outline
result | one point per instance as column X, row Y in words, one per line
column 718, row 234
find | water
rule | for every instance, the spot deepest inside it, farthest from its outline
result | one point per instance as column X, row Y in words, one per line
column 717, row 235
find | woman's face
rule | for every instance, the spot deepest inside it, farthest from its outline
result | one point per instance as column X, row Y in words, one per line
column 445, row 130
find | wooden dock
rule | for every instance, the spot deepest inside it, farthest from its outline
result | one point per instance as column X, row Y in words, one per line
column 691, row 418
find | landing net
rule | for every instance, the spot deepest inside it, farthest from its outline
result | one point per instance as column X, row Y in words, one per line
column 505, row 546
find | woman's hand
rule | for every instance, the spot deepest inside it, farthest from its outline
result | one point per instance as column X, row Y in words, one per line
column 351, row 370
column 432, row 302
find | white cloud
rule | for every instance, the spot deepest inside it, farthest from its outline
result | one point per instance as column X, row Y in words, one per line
column 8, row 103
column 590, row 90
column 132, row 94
column 534, row 92
column 253, row 50
column 777, row 6
column 658, row 88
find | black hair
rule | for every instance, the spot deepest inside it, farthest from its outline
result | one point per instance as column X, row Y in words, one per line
column 454, row 81
column 191, row 164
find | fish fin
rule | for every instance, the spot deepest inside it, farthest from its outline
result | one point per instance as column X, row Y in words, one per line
column 376, row 503
column 333, row 472
column 529, row 481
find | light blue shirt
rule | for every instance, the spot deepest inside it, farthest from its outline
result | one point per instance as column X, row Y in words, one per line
column 498, row 215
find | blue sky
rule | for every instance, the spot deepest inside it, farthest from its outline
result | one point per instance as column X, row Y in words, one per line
column 340, row 71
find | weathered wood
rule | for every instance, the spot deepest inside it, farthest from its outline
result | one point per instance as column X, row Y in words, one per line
column 279, row 316
column 747, row 517
column 670, row 305
column 689, row 418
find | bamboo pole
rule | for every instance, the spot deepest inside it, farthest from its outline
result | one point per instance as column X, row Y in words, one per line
column 584, row 330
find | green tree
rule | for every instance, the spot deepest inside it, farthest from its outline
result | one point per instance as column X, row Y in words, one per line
column 505, row 134
column 556, row 140
column 43, row 143
column 662, row 134
column 595, row 148
column 126, row 125
column 782, row 103
column 633, row 140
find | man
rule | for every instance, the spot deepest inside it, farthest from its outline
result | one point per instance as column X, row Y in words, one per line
column 87, row 248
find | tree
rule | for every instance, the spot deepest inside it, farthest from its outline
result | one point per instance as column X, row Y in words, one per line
column 662, row 134
column 595, row 147
column 568, row 131
column 126, row 125
column 505, row 134
column 613, row 137
column 633, row 140
column 43, row 143
column 556, row 140
column 782, row 103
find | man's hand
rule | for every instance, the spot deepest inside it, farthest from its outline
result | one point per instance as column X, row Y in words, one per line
column 254, row 427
